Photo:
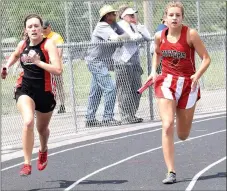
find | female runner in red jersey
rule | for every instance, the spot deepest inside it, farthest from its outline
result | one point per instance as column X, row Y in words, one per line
column 176, row 88
column 34, row 92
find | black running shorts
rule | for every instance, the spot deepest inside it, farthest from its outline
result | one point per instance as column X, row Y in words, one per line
column 44, row 101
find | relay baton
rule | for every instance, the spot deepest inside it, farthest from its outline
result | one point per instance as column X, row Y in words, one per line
column 4, row 72
column 145, row 86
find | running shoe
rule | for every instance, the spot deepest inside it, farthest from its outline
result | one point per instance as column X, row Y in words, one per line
column 170, row 178
column 26, row 170
column 93, row 123
column 62, row 109
column 42, row 160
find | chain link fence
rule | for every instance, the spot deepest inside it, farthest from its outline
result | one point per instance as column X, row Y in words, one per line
column 75, row 21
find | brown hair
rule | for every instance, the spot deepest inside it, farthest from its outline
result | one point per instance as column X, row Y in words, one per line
column 174, row 4
column 32, row 16
column 24, row 35
column 121, row 10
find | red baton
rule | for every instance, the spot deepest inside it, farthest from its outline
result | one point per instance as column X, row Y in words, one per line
column 145, row 86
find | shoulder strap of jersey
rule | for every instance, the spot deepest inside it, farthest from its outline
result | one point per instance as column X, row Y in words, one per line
column 23, row 46
column 42, row 44
column 184, row 32
column 43, row 49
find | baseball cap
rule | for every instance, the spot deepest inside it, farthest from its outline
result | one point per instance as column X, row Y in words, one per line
column 104, row 10
column 128, row 11
column 46, row 24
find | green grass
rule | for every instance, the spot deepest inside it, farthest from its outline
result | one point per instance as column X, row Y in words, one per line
column 215, row 76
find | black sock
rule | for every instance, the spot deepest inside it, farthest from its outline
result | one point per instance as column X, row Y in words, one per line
column 172, row 172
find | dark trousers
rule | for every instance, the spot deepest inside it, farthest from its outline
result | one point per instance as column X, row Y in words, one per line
column 128, row 81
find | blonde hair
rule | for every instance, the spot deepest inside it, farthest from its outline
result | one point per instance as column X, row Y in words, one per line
column 174, row 4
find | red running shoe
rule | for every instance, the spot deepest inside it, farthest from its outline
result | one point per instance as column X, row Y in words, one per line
column 26, row 170
column 42, row 160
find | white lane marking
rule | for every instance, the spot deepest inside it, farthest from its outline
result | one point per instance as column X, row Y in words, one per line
column 94, row 143
column 133, row 156
column 86, row 145
column 196, row 177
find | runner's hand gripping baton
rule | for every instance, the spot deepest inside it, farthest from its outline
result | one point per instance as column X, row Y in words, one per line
column 4, row 72
column 145, row 86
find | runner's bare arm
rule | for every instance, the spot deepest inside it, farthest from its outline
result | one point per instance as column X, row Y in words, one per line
column 201, row 50
column 15, row 55
column 55, row 66
column 157, row 54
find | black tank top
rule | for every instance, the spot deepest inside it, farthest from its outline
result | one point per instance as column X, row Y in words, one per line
column 34, row 75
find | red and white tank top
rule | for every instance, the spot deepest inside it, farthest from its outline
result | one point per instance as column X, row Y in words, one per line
column 177, row 58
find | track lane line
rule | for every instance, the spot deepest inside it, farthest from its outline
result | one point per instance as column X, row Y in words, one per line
column 197, row 176
column 106, row 140
column 133, row 156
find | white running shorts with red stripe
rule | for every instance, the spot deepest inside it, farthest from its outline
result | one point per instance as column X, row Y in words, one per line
column 177, row 88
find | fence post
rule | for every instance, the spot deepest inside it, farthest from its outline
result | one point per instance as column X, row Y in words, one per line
column 224, row 46
column 148, row 12
column 150, row 88
column 198, row 15
column 1, row 52
column 198, row 28
column 90, row 17
column 70, row 64
column 135, row 5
